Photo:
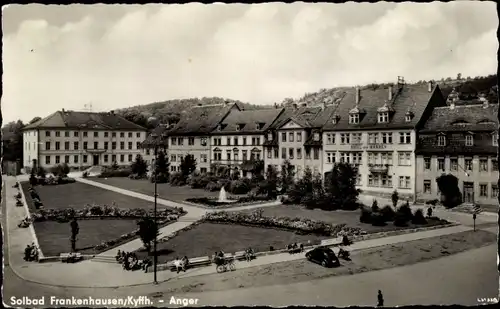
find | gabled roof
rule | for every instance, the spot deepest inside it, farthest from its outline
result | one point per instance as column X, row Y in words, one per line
column 411, row 98
column 84, row 120
column 307, row 117
column 161, row 133
column 250, row 118
column 202, row 119
column 462, row 118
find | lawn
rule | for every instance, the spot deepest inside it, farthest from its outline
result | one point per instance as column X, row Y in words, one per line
column 362, row 261
column 165, row 190
column 207, row 238
column 350, row 218
column 77, row 195
column 53, row 237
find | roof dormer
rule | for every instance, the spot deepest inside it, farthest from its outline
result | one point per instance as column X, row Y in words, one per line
column 355, row 115
column 260, row 125
column 239, row 126
column 270, row 136
column 335, row 118
column 409, row 116
column 441, row 139
column 384, row 113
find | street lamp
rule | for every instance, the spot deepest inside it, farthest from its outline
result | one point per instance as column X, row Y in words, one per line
column 155, row 256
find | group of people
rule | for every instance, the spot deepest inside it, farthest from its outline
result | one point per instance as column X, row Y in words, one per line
column 31, row 253
column 130, row 261
column 219, row 257
column 249, row 254
column 24, row 223
column 181, row 264
column 295, row 248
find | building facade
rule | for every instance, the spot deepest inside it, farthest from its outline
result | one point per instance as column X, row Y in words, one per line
column 461, row 140
column 81, row 140
column 376, row 130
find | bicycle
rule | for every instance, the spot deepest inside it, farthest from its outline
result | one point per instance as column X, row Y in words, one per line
column 229, row 264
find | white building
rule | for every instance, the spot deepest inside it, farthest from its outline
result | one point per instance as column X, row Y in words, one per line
column 81, row 140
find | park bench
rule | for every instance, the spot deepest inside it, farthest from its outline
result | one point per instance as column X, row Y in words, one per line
column 193, row 263
column 297, row 249
column 241, row 256
column 69, row 258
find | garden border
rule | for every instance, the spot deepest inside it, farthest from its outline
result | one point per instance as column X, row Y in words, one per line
column 29, row 215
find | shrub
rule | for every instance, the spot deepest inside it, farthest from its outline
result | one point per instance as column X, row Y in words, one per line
column 418, row 217
column 405, row 211
column 238, row 187
column 366, row 215
column 226, row 183
column 400, row 220
column 375, row 207
column 213, row 186
column 108, row 173
column 433, row 202
column 388, row 213
column 199, row 181
column 378, row 219
column 395, row 198
column 177, row 179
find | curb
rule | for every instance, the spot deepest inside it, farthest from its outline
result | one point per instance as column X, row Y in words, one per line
column 28, row 214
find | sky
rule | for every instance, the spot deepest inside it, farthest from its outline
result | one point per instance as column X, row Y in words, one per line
column 116, row 56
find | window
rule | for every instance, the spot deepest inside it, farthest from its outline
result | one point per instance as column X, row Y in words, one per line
column 253, row 141
column 244, row 141
column 404, row 158
column 66, row 133
column 174, row 141
column 122, row 145
column 75, row 158
column 236, row 155
column 203, row 170
column 269, row 154
column 494, row 190
column 330, row 138
column 357, row 158
column 58, row 145
column 122, row 158
column 469, row 140
column 316, row 154
column 270, row 136
column 113, row 135
column 427, row 163
column 179, row 158
column 372, row 158
column 454, row 164
column 386, row 181
column 58, row 134
column 113, row 145
column 308, row 154
column 404, row 182
column 47, row 158
column 494, row 165
column 85, row 144
column 235, row 141
column 495, row 140
column 113, row 158
column 130, row 134
column 244, row 155
column 290, row 136
column 283, row 153
column 330, row 157
column 137, row 145
column 96, row 134
column 75, row 134
column 468, row 164
column 204, row 158
column 47, row 134
column 76, row 145
column 122, row 134
column 299, row 136
column 148, row 152
column 106, row 158
column 427, row 186
column 85, row 134
column 440, row 164
column 404, row 138
column 180, row 141
column 344, row 157
column 66, row 159
column 316, row 136
column 228, row 141
column 203, row 141
column 408, row 118
column 483, row 190
column 173, row 158
column 130, row 156
column 387, row 138
column 358, row 180
column 299, row 153
column 283, row 137
column 383, row 117
column 106, row 134
column 138, row 135
column 373, row 138
column 58, row 159
column 483, row 165
column 96, row 145
column 191, row 141
column 354, row 118
column 291, row 153
column 130, row 145
column 47, row 145
column 344, row 138
column 276, row 153
column 370, row 180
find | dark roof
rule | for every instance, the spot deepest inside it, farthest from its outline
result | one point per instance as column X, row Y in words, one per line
column 201, row 119
column 462, row 118
column 410, row 98
column 161, row 132
column 84, row 120
column 247, row 120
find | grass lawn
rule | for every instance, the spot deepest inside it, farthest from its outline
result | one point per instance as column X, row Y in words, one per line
column 77, row 195
column 362, row 261
column 351, row 218
column 206, row 238
column 53, row 237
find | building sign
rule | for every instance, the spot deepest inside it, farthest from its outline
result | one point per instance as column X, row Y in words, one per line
column 370, row 146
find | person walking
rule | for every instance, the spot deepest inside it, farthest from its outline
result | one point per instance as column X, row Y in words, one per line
column 380, row 299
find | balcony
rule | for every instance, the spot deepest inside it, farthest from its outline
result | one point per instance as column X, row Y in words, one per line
column 379, row 168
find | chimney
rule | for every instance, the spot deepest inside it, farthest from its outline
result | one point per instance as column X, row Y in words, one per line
column 357, row 95
column 430, row 84
column 295, row 106
column 390, row 93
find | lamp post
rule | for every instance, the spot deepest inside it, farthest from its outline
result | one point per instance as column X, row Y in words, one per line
column 155, row 174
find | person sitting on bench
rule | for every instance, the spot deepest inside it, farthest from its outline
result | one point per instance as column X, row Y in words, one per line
column 249, row 254
column 177, row 264
column 185, row 263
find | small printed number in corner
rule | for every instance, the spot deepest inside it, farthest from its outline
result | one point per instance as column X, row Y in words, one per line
column 487, row 300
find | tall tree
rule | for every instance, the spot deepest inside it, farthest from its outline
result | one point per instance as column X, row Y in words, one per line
column 148, row 230
column 340, row 186
column 161, row 171
column 188, row 165
column 287, row 176
column 301, row 192
column 139, row 166
column 12, row 138
column 450, row 192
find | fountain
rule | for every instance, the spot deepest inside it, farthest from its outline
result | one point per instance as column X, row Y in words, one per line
column 223, row 197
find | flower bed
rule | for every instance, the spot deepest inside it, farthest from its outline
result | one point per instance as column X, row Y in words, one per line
column 174, row 234
column 300, row 225
column 212, row 202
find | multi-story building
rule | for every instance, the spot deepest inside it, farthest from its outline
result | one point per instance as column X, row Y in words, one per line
column 375, row 129
column 158, row 138
column 296, row 137
column 239, row 138
column 191, row 135
column 461, row 140
column 81, row 140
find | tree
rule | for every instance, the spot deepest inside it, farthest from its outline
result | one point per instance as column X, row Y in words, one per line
column 286, row 179
column 188, row 165
column 340, row 187
column 114, row 166
column 450, row 192
column 268, row 186
column 64, row 170
column 75, row 229
column 148, row 230
column 395, row 198
column 41, row 172
column 318, row 190
column 161, row 172
column 12, row 138
column 139, row 166
column 301, row 192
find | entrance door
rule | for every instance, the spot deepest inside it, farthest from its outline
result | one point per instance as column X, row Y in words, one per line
column 468, row 192
column 96, row 159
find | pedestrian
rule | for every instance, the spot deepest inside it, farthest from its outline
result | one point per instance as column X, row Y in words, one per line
column 380, row 299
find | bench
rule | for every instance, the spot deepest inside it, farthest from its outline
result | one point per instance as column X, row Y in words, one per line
column 68, row 258
column 241, row 256
column 193, row 263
